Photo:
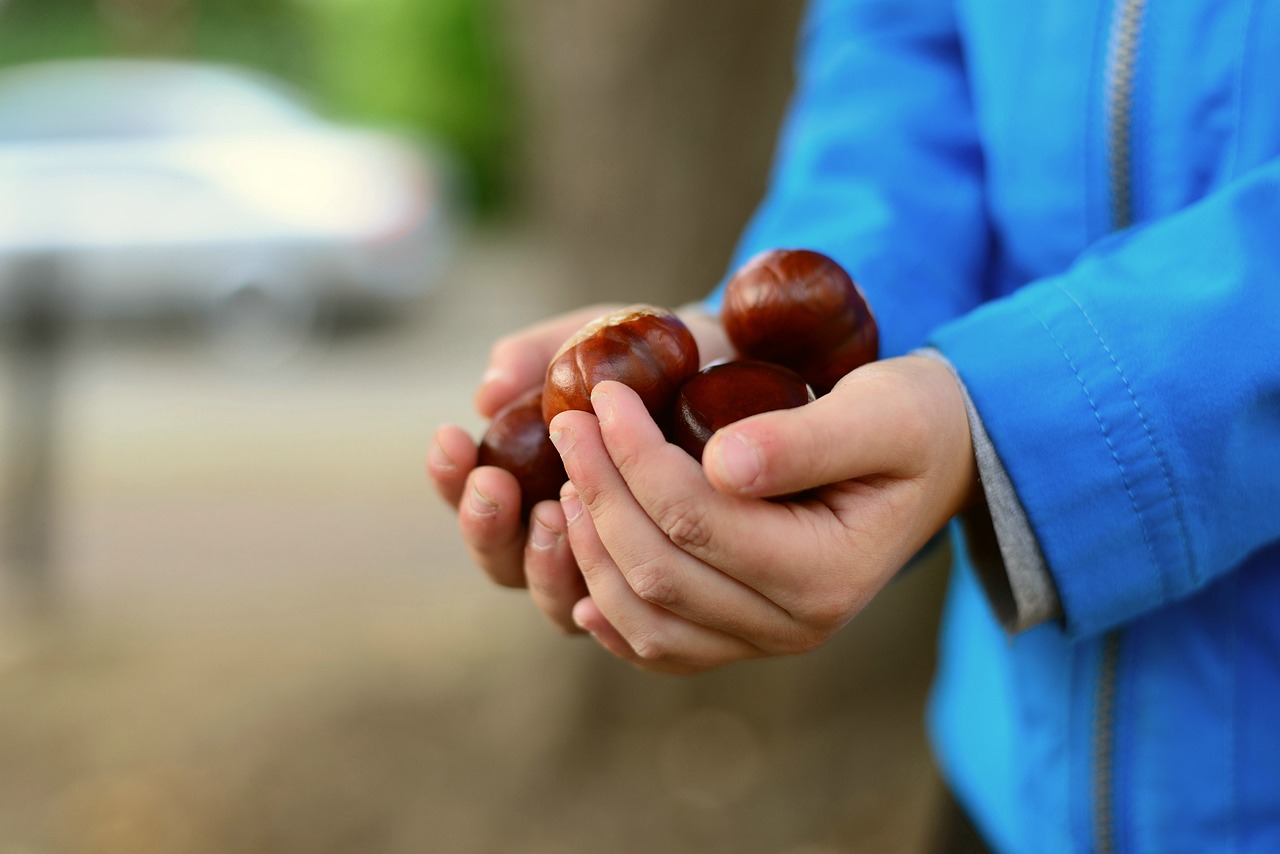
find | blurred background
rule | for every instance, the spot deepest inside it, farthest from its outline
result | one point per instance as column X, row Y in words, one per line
column 251, row 253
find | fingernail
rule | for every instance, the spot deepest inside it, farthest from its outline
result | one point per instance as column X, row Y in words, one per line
column 481, row 504
column 440, row 461
column 738, row 461
column 571, row 503
column 541, row 536
column 492, row 375
column 602, row 403
column 563, row 440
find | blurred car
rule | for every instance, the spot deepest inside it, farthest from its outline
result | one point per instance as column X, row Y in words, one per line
column 158, row 187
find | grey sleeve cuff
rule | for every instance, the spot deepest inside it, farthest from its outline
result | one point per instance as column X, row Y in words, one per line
column 1002, row 545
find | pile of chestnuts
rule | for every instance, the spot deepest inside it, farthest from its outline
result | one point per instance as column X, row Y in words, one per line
column 796, row 319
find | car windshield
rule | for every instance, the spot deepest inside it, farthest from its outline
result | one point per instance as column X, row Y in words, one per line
column 96, row 100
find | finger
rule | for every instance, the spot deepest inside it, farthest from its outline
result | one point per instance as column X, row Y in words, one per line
column 657, row 638
column 491, row 524
column 450, row 458
column 555, row 583
column 765, row 547
column 869, row 425
column 518, row 362
column 655, row 567
column 588, row 615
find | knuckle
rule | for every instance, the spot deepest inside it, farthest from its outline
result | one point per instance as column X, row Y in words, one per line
column 591, row 570
column 684, row 521
column 595, row 499
column 799, row 441
column 654, row 583
column 650, row 646
column 811, row 448
column 826, row 613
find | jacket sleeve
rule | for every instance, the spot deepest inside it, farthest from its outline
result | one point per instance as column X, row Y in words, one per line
column 1134, row 401
column 998, row 539
column 878, row 164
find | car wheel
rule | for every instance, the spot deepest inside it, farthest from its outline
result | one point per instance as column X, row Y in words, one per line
column 256, row 324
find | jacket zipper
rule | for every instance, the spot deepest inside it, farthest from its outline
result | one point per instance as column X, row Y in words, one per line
column 1122, row 63
column 1122, row 68
column 1104, row 746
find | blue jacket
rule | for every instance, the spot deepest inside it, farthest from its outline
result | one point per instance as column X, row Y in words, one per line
column 1078, row 203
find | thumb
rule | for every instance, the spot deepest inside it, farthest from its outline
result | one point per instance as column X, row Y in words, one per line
column 878, row 421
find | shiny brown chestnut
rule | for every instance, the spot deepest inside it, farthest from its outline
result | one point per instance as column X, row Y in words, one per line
column 642, row 346
column 517, row 440
column 799, row 308
column 721, row 394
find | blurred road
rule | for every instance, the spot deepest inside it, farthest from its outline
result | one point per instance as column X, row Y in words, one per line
column 270, row 639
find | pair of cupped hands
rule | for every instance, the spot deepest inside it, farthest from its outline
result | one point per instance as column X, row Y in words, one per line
column 793, row 521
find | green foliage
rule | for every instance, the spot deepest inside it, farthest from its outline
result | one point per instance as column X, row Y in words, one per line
column 265, row 34
column 427, row 66
column 32, row 30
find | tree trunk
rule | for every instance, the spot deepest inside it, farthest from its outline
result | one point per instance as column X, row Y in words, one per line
column 650, row 127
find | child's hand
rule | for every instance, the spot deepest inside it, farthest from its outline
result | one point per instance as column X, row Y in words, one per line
column 488, row 499
column 689, row 571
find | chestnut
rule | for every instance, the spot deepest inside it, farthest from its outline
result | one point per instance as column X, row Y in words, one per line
column 517, row 440
column 799, row 308
column 727, row 392
column 642, row 346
